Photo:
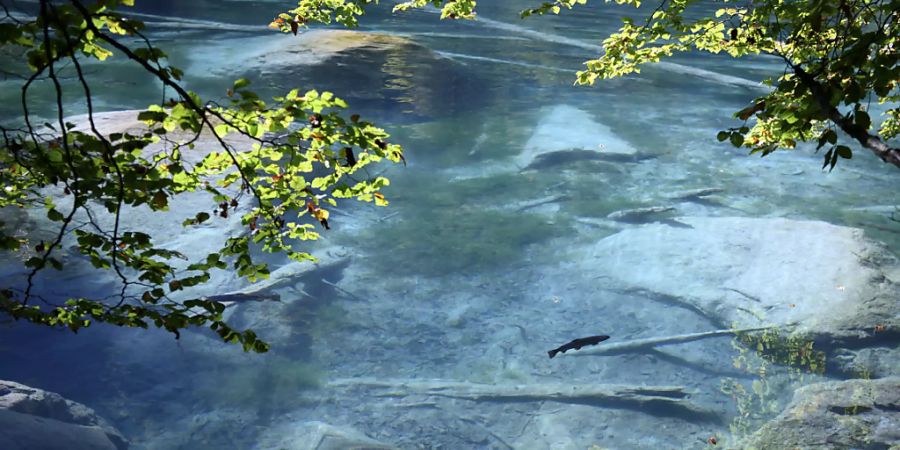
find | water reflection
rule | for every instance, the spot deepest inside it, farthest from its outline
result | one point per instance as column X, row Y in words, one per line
column 398, row 83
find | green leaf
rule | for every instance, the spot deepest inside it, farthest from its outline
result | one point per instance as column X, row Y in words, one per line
column 241, row 83
column 160, row 200
column 34, row 262
column 54, row 155
column 152, row 116
column 758, row 388
column 844, row 152
column 55, row 215
column 55, row 263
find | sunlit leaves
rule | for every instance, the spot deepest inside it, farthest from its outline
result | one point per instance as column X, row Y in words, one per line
column 553, row 7
column 273, row 168
column 849, row 48
column 347, row 12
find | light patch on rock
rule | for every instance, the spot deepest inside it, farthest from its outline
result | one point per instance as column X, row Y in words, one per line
column 566, row 128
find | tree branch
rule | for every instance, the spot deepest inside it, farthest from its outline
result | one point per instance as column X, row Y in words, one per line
column 201, row 111
column 888, row 154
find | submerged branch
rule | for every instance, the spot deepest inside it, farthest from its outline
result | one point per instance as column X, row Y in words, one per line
column 649, row 343
column 592, row 394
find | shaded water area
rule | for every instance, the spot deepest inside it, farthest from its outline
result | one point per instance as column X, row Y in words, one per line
column 489, row 254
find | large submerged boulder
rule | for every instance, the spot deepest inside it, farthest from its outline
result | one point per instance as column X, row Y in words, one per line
column 32, row 418
column 317, row 46
column 829, row 280
column 384, row 77
column 276, row 52
column 860, row 414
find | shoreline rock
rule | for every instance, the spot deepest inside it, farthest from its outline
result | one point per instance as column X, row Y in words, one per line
column 835, row 415
column 32, row 418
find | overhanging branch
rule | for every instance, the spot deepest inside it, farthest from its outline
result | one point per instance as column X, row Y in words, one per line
column 888, row 154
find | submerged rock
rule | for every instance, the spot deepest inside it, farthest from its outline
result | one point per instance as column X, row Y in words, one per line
column 319, row 436
column 836, row 415
column 317, row 46
column 384, row 77
column 829, row 280
column 32, row 418
column 276, row 52
column 333, row 258
column 566, row 133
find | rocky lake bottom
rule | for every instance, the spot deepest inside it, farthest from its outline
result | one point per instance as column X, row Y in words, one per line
column 531, row 213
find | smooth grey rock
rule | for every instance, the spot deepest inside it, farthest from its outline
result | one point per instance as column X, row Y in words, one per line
column 829, row 280
column 33, row 418
column 861, row 414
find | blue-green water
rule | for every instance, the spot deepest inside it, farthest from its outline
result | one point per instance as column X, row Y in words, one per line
column 459, row 279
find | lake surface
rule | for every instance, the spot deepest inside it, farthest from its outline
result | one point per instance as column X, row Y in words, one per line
column 467, row 275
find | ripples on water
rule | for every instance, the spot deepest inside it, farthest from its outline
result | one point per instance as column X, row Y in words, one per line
column 461, row 284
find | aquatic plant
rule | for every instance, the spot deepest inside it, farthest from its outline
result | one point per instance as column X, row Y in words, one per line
column 458, row 232
column 460, row 240
column 277, row 384
column 776, row 347
column 779, row 360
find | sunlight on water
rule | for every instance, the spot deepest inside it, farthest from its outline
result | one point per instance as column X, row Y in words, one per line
column 532, row 212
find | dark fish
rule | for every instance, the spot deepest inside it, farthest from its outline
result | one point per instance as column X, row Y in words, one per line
column 577, row 344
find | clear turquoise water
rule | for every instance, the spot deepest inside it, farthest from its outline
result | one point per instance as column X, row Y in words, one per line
column 454, row 286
